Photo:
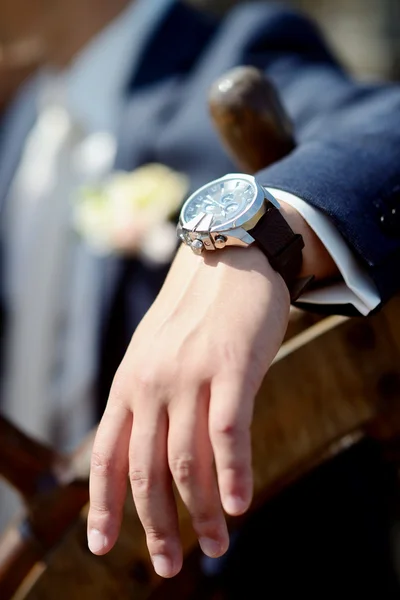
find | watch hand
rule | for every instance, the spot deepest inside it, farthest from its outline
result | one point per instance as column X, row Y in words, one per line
column 222, row 207
column 222, row 191
column 235, row 191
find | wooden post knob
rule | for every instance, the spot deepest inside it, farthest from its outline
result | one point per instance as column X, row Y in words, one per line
column 249, row 117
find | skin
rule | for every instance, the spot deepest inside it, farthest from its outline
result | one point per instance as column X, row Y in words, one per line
column 181, row 404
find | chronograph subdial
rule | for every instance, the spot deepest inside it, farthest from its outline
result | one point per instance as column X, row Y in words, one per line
column 224, row 201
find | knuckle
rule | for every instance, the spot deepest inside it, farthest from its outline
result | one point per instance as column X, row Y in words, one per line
column 150, row 381
column 154, row 534
column 182, row 468
column 238, row 470
column 230, row 355
column 101, row 463
column 227, row 428
column 99, row 508
column 145, row 380
column 158, row 540
column 196, row 367
column 231, row 433
column 141, row 483
column 197, row 380
column 203, row 520
column 244, row 366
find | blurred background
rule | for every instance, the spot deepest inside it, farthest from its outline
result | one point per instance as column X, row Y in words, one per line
column 365, row 34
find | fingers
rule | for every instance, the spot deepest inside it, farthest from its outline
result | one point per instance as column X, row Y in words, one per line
column 230, row 418
column 108, row 479
column 191, row 464
column 199, row 430
column 152, row 490
column 177, row 440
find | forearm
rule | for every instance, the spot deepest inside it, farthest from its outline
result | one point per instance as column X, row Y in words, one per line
column 316, row 259
column 191, row 274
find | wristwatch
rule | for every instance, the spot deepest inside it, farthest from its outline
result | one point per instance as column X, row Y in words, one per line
column 235, row 210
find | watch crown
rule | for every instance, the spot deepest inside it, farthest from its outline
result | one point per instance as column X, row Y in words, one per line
column 197, row 246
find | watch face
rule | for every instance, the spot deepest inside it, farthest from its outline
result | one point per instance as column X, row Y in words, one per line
column 225, row 200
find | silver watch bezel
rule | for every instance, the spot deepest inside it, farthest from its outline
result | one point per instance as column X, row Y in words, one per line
column 197, row 232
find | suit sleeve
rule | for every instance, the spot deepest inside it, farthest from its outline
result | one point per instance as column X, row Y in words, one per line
column 347, row 159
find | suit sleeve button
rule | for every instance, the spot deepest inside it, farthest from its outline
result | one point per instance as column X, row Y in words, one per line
column 390, row 222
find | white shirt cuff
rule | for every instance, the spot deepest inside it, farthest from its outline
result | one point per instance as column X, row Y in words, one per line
column 356, row 288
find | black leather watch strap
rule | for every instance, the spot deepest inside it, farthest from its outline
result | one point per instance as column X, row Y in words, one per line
column 283, row 248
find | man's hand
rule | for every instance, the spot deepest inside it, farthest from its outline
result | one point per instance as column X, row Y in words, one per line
column 181, row 404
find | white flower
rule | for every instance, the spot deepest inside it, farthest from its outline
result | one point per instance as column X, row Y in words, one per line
column 124, row 213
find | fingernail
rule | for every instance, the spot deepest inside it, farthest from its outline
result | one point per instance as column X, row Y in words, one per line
column 96, row 541
column 235, row 505
column 162, row 565
column 210, row 547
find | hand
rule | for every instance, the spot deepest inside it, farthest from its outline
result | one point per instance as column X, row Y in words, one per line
column 182, row 403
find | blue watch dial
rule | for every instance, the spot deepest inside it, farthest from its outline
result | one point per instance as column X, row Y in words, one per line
column 225, row 200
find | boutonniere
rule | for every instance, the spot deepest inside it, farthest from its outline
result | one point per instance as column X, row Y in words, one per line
column 129, row 212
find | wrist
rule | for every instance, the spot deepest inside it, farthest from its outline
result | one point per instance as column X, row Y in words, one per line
column 231, row 263
column 316, row 259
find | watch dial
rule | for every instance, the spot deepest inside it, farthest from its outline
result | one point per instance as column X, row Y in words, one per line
column 225, row 200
